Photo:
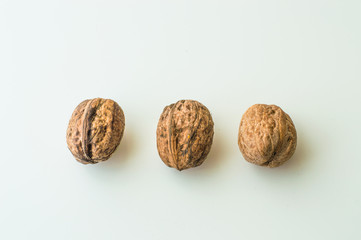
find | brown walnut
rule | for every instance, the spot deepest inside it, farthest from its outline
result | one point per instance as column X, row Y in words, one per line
column 95, row 130
column 267, row 135
column 184, row 134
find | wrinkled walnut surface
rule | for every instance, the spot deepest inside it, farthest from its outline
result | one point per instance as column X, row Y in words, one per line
column 184, row 134
column 95, row 130
column 267, row 135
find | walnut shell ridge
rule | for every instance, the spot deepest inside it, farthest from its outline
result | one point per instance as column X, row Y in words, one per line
column 95, row 130
column 184, row 134
column 267, row 135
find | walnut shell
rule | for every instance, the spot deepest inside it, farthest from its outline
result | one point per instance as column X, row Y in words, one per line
column 184, row 134
column 267, row 135
column 95, row 130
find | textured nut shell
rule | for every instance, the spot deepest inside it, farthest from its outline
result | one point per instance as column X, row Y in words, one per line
column 267, row 135
column 95, row 130
column 184, row 134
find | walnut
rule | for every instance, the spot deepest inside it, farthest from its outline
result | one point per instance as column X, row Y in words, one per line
column 95, row 130
column 267, row 135
column 184, row 134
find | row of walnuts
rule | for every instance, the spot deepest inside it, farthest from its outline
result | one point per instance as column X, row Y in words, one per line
column 266, row 137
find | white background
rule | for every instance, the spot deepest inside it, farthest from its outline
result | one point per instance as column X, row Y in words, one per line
column 304, row 56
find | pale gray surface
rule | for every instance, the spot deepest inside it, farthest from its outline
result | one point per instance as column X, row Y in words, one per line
column 304, row 56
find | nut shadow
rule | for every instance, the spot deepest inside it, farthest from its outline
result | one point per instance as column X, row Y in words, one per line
column 300, row 158
column 120, row 158
column 297, row 164
column 215, row 159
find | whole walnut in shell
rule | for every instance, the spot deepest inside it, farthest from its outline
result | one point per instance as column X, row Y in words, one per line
column 184, row 134
column 267, row 135
column 95, row 130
